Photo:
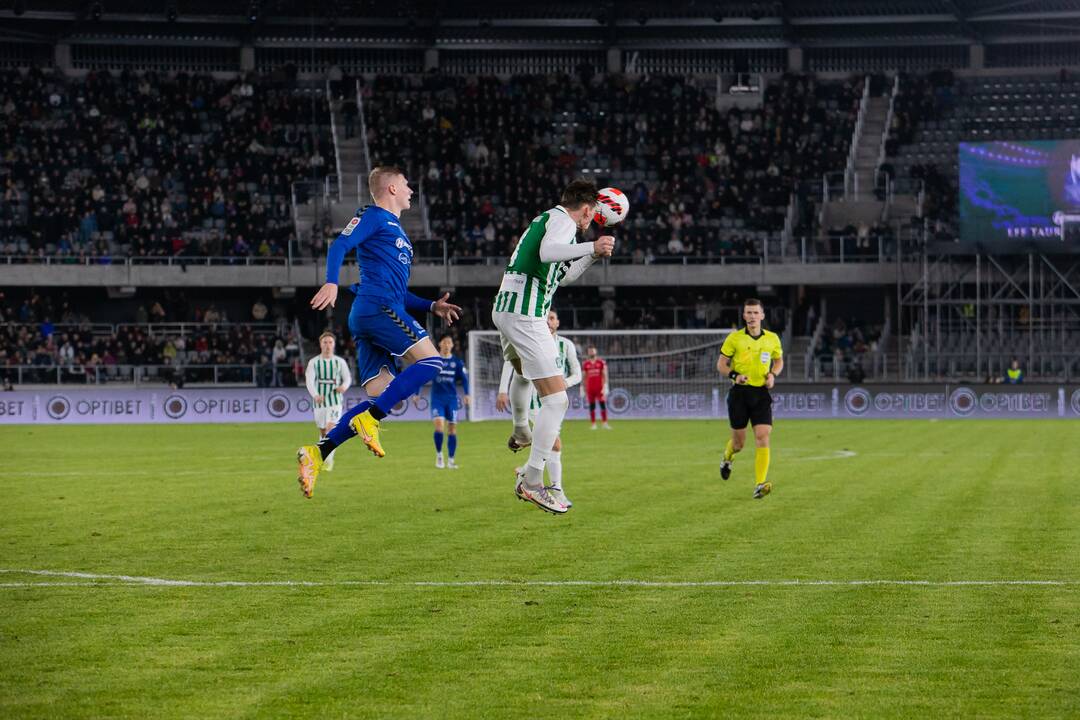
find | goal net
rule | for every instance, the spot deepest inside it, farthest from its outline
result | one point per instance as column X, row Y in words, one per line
column 651, row 373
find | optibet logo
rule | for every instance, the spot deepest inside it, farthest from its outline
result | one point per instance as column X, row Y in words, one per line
column 963, row 401
column 58, row 407
column 278, row 405
column 618, row 401
column 857, row 401
column 1074, row 402
column 175, row 406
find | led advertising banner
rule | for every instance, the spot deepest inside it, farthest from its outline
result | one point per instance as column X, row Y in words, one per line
column 60, row 406
column 1020, row 192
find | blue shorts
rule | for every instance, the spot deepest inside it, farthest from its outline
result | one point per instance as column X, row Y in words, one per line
column 381, row 333
column 444, row 407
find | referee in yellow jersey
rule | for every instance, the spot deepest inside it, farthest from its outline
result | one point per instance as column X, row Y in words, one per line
column 752, row 358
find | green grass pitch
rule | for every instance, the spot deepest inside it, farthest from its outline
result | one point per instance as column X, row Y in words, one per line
column 853, row 501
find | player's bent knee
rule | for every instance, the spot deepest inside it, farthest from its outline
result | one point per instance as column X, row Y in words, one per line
column 556, row 401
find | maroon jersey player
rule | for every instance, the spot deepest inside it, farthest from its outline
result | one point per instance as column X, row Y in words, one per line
column 595, row 386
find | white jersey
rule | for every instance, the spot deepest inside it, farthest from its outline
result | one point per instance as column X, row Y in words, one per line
column 324, row 376
column 567, row 361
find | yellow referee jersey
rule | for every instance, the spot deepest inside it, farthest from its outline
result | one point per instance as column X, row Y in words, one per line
column 752, row 356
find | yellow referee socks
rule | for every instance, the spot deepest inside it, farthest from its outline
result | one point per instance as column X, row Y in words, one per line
column 761, row 464
column 729, row 450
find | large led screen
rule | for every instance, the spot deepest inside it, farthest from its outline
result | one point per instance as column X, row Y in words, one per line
column 1019, row 191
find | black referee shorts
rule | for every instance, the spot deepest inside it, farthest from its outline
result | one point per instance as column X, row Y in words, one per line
column 749, row 404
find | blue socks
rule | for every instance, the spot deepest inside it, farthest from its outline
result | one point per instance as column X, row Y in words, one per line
column 451, row 444
column 406, row 384
column 342, row 431
column 402, row 387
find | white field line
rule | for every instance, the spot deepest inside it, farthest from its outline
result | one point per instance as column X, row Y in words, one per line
column 99, row 580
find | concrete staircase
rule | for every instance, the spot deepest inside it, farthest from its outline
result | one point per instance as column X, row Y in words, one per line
column 866, row 153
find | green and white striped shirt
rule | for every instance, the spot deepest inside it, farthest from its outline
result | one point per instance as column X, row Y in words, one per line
column 324, row 376
column 529, row 283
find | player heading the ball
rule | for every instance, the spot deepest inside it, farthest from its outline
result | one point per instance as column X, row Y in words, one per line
column 547, row 255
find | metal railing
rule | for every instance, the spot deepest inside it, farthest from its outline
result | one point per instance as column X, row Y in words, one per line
column 774, row 251
column 253, row 375
column 334, row 133
column 363, row 130
column 850, row 177
column 885, row 130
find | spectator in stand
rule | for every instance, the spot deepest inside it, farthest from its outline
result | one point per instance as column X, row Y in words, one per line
column 156, row 166
column 488, row 160
column 1014, row 374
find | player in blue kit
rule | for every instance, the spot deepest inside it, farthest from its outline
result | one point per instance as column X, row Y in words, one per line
column 379, row 319
column 444, row 401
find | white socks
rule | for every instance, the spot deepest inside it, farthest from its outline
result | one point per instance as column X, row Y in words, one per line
column 520, row 397
column 545, row 431
column 554, row 468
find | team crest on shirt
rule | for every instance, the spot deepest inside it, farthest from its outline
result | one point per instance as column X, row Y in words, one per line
column 351, row 226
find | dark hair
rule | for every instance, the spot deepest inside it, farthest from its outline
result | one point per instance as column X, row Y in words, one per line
column 753, row 301
column 579, row 192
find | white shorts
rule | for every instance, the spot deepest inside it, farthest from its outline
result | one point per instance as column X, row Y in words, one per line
column 327, row 415
column 528, row 339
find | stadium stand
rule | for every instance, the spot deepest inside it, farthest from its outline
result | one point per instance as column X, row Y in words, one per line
column 691, row 171
column 150, row 165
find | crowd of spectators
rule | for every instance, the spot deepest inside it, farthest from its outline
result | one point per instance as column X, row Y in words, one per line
column 152, row 165
column 53, row 340
column 493, row 152
column 846, row 347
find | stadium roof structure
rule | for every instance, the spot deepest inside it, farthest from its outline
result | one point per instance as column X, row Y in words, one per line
column 692, row 23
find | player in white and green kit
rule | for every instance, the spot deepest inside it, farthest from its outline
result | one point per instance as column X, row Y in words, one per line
column 327, row 378
column 547, row 255
column 568, row 362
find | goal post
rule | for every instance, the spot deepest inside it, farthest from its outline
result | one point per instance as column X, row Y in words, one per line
column 651, row 373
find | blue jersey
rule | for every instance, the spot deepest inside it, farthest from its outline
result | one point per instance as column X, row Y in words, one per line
column 453, row 371
column 383, row 252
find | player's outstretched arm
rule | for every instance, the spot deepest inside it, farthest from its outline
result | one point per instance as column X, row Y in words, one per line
column 446, row 309
column 603, row 247
column 350, row 236
column 326, row 297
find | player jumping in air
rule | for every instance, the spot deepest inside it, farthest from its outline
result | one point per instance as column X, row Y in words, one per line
column 327, row 378
column 444, row 402
column 595, row 389
column 379, row 320
column 546, row 255
column 752, row 358
column 568, row 361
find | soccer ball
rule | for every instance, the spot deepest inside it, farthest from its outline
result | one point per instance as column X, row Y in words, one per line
column 612, row 206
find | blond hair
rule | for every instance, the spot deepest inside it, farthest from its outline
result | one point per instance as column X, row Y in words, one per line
column 380, row 177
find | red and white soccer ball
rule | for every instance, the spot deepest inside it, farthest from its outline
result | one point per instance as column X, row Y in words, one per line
column 612, row 205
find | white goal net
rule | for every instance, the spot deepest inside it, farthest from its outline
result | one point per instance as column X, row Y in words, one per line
column 651, row 373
